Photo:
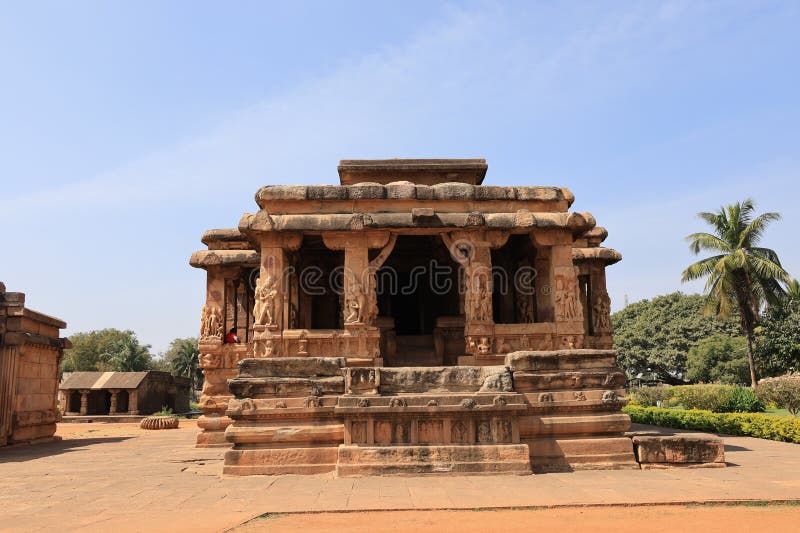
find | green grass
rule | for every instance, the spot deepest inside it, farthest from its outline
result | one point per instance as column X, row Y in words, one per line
column 777, row 412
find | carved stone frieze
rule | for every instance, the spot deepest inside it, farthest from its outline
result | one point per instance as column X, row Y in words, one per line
column 211, row 323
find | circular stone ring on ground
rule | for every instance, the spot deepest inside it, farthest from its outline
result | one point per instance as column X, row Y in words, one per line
column 159, row 422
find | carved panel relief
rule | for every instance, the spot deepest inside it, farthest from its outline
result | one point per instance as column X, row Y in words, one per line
column 568, row 307
column 266, row 293
column 601, row 313
column 211, row 323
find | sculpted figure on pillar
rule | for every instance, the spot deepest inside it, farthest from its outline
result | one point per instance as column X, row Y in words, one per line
column 354, row 303
column 370, row 309
column 601, row 313
column 478, row 296
column 264, row 308
column 524, row 309
column 211, row 322
column 566, row 296
column 264, row 347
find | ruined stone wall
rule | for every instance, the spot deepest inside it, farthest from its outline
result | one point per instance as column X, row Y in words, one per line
column 30, row 364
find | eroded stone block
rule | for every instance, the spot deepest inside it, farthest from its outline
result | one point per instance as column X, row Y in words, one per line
column 300, row 367
column 679, row 449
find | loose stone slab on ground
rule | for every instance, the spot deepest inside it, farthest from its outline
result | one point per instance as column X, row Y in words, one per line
column 103, row 476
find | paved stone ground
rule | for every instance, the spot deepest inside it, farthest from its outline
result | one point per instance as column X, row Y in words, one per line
column 116, row 476
column 663, row 519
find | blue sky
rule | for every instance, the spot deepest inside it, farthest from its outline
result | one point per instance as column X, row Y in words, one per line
column 129, row 128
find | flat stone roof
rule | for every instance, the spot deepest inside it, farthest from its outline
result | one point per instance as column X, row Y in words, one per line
column 420, row 171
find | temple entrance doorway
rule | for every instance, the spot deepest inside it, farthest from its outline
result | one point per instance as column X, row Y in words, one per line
column 417, row 287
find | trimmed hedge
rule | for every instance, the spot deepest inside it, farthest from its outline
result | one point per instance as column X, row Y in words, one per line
column 762, row 426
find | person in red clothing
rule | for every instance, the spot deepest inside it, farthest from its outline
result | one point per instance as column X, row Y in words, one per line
column 232, row 337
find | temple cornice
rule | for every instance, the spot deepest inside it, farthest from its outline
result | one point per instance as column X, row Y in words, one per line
column 608, row 256
column 207, row 258
column 225, row 239
column 558, row 197
column 263, row 222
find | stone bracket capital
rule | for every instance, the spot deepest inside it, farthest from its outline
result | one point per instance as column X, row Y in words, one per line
column 341, row 240
column 286, row 240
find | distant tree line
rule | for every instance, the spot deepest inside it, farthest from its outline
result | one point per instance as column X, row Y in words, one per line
column 668, row 339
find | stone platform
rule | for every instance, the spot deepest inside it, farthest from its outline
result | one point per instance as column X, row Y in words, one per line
column 542, row 411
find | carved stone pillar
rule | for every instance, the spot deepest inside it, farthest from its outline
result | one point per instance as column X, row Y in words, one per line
column 472, row 251
column 133, row 402
column 215, row 391
column 271, row 306
column 84, row 402
column 570, row 329
column 545, row 311
column 112, row 410
column 360, row 300
column 599, row 304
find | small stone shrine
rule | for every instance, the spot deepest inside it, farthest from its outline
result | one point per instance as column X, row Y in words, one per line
column 411, row 320
column 30, row 365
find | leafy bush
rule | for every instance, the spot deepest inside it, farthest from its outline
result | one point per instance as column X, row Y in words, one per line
column 758, row 425
column 165, row 411
column 708, row 397
column 743, row 400
column 716, row 398
column 650, row 396
column 783, row 391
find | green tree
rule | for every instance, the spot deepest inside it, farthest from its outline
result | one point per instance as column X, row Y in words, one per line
column 182, row 358
column 777, row 346
column 656, row 335
column 90, row 350
column 741, row 276
column 718, row 359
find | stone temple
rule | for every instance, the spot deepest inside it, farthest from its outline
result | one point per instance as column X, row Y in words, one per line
column 411, row 320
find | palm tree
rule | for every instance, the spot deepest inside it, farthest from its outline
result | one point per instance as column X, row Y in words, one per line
column 793, row 290
column 129, row 356
column 742, row 276
column 184, row 359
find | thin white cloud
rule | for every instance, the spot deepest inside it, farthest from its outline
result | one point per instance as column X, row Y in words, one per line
column 454, row 88
column 474, row 63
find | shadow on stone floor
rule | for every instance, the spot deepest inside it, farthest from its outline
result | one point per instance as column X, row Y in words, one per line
column 22, row 453
column 734, row 448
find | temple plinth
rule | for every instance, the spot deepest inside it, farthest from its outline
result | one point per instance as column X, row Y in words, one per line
column 411, row 320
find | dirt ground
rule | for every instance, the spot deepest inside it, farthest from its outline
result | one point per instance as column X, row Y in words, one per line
column 116, row 477
column 708, row 519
